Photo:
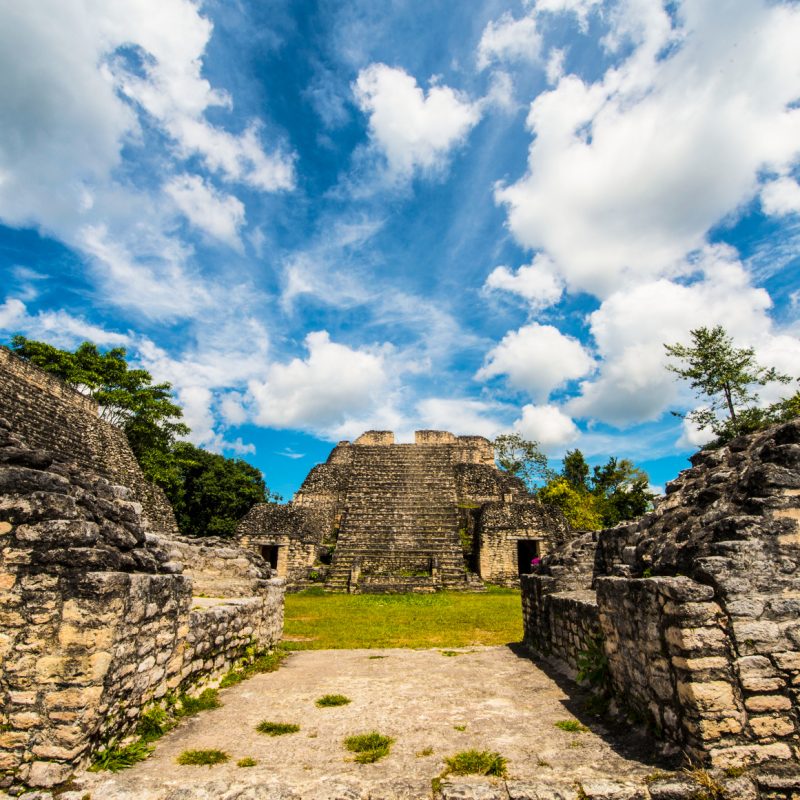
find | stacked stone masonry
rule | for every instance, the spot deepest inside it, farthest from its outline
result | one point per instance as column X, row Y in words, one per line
column 697, row 603
column 49, row 414
column 98, row 614
column 380, row 516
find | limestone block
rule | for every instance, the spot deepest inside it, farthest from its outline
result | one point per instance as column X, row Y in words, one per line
column 710, row 729
column 768, row 702
column 26, row 720
column 789, row 659
column 47, row 773
column 748, row 755
column 74, row 698
column 696, row 639
column 22, row 698
column 701, row 664
column 710, row 696
column 771, row 726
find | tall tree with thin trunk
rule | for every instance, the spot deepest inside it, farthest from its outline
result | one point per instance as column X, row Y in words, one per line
column 725, row 378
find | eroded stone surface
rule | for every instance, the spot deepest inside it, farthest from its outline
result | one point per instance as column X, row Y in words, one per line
column 418, row 697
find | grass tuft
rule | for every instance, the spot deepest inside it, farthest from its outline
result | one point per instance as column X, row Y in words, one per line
column 332, row 700
column 476, row 762
column 246, row 762
column 461, row 728
column 571, row 726
column 427, row 751
column 261, row 662
column 277, row 728
column 368, row 747
column 202, row 758
column 115, row 759
column 205, row 701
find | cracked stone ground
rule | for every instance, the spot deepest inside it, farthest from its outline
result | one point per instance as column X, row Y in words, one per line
column 422, row 698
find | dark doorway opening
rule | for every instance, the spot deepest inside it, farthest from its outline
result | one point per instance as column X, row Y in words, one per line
column 269, row 552
column 527, row 550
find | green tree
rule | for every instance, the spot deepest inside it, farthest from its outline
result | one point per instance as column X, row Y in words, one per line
column 522, row 458
column 580, row 507
column 621, row 490
column 575, row 469
column 724, row 377
column 214, row 492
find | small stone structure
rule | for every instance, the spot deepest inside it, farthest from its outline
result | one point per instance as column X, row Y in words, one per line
column 695, row 606
column 97, row 616
column 379, row 516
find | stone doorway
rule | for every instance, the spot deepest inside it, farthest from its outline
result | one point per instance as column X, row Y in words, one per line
column 527, row 550
column 269, row 552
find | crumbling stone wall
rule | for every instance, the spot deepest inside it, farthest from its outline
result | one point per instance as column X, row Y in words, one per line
column 97, row 619
column 49, row 414
column 698, row 602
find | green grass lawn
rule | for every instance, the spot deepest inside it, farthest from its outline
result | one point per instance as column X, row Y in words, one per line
column 318, row 621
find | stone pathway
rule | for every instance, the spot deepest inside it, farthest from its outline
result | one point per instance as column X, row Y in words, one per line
column 422, row 698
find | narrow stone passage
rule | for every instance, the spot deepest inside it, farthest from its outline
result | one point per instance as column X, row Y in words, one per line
column 433, row 705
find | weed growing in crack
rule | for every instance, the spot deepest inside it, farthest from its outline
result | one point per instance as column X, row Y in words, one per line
column 571, row 726
column 277, row 728
column 332, row 700
column 202, row 758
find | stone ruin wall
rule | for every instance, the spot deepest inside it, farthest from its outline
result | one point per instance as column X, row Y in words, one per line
column 49, row 414
column 99, row 613
column 98, row 618
column 696, row 603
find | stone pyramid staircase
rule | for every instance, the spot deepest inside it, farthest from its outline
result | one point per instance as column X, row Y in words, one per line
column 399, row 531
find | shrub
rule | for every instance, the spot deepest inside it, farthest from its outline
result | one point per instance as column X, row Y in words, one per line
column 114, row 759
column 202, row 758
column 476, row 762
column 331, row 700
column 368, row 747
column 153, row 724
column 276, row 728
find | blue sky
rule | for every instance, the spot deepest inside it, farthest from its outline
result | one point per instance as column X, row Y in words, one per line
column 316, row 218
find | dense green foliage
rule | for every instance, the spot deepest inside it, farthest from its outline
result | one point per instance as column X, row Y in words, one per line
column 202, row 758
column 209, row 493
column 590, row 498
column 724, row 378
column 213, row 492
column 610, row 493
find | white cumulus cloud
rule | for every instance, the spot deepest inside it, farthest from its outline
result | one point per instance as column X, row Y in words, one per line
column 460, row 416
column 538, row 283
column 546, row 424
column 781, row 197
column 509, row 39
column 414, row 129
column 537, row 359
column 322, row 391
column 627, row 175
